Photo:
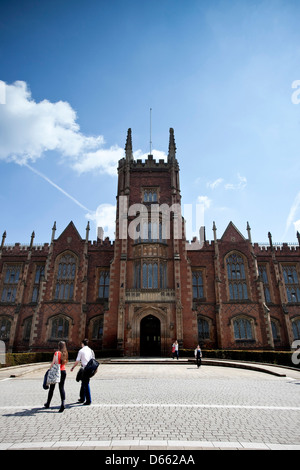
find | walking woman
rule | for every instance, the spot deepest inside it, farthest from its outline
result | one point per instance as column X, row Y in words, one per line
column 198, row 356
column 175, row 349
column 60, row 357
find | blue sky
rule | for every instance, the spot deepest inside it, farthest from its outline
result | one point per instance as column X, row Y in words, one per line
column 74, row 76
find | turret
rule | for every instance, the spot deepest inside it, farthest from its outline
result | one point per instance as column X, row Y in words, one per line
column 172, row 146
column 128, row 147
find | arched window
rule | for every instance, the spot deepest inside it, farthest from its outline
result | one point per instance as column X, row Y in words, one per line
column 39, row 274
column 11, row 278
column 291, row 283
column 97, row 328
column 162, row 275
column 203, row 328
column 150, row 276
column 103, row 288
column 5, row 326
column 275, row 330
column 150, row 195
column 27, row 329
column 59, row 328
column 242, row 329
column 65, row 278
column 265, row 280
column 236, row 275
column 296, row 328
column 197, row 285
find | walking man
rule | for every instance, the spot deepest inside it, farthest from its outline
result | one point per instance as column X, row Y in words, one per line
column 84, row 355
column 198, row 355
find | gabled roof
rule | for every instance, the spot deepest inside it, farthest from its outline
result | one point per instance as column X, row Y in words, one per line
column 70, row 231
column 232, row 234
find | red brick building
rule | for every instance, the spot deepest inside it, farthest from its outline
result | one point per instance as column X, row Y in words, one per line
column 138, row 294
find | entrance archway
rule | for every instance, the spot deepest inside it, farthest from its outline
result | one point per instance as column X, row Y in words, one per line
column 150, row 336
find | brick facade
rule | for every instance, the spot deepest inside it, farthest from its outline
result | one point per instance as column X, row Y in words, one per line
column 138, row 294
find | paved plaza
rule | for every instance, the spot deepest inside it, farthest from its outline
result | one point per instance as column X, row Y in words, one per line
column 153, row 406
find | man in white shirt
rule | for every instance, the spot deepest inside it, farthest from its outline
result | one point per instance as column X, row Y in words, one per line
column 83, row 356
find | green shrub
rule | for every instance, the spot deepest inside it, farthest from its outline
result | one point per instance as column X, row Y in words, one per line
column 283, row 358
column 17, row 359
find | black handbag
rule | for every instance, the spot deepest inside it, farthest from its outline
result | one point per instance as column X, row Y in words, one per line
column 91, row 368
column 45, row 386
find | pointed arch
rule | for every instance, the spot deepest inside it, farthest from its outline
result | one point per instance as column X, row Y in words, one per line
column 66, row 265
column 237, row 276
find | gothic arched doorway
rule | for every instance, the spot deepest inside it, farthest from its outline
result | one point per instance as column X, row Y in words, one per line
column 150, row 336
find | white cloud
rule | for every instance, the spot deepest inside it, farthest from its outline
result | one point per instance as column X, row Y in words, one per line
column 103, row 160
column 204, row 201
column 29, row 128
column 292, row 214
column 242, row 183
column 104, row 216
column 297, row 225
column 157, row 155
column 215, row 183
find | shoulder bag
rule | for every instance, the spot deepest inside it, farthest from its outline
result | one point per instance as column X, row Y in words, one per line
column 54, row 373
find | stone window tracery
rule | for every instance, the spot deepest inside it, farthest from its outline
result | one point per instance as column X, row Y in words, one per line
column 296, row 328
column 5, row 327
column 236, row 275
column 197, row 278
column 150, row 275
column 242, row 329
column 39, row 273
column 265, row 280
column 291, row 281
column 59, row 328
column 103, row 287
column 203, row 329
column 65, row 278
column 10, row 284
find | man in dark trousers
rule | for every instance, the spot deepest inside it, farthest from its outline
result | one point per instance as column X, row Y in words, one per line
column 83, row 356
column 198, row 355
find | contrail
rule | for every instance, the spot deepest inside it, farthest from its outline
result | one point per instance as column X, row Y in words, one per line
column 57, row 187
column 292, row 213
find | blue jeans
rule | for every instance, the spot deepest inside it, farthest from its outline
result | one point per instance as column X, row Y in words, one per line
column 85, row 392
